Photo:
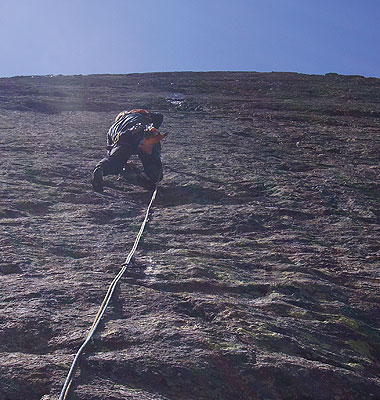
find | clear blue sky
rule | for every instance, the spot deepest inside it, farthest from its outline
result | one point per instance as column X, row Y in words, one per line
column 39, row 37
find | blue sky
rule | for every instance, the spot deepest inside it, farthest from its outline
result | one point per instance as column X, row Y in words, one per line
column 39, row 37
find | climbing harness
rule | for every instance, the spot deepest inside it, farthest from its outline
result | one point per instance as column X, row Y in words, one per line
column 106, row 300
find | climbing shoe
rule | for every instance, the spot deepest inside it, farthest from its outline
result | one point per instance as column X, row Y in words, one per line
column 97, row 179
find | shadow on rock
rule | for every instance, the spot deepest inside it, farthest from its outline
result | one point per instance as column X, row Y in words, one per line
column 180, row 195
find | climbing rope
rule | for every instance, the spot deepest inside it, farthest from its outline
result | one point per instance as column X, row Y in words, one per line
column 106, row 300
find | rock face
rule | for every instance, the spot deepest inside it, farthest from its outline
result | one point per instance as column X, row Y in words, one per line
column 258, row 273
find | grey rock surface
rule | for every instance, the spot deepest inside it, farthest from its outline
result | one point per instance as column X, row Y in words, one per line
column 258, row 274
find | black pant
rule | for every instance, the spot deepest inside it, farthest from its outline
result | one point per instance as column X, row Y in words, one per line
column 114, row 162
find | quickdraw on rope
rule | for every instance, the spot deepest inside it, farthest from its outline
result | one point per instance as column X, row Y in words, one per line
column 106, row 300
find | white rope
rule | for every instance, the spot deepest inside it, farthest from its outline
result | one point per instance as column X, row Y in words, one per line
column 106, row 300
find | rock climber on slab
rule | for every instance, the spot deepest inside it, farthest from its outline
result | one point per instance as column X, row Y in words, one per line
column 133, row 132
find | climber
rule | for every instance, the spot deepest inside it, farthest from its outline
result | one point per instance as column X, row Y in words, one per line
column 133, row 132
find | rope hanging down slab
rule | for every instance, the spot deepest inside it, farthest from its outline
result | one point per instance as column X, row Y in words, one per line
column 106, row 300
